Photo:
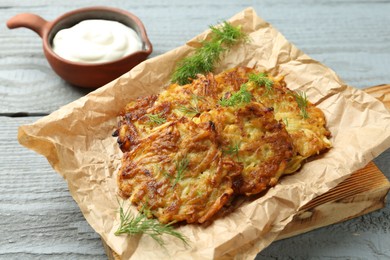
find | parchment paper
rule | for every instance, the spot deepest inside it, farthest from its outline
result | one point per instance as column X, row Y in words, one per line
column 77, row 141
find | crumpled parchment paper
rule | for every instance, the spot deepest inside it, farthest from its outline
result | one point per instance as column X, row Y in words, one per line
column 77, row 141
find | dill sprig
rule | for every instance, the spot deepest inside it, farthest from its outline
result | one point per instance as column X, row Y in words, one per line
column 262, row 79
column 301, row 99
column 240, row 97
column 189, row 110
column 140, row 224
column 181, row 166
column 193, row 108
column 228, row 34
column 205, row 57
column 201, row 61
column 156, row 119
column 232, row 149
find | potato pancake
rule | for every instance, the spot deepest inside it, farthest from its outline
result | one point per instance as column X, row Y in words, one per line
column 189, row 150
column 304, row 122
column 141, row 116
column 178, row 173
column 252, row 137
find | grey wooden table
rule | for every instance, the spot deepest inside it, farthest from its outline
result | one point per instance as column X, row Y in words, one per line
column 38, row 217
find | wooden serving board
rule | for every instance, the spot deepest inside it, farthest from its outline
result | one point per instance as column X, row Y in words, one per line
column 363, row 192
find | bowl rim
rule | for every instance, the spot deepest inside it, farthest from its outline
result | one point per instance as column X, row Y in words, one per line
column 144, row 38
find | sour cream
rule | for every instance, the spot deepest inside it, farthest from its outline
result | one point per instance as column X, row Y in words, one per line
column 96, row 41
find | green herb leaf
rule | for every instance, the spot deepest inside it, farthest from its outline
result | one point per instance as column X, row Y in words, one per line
column 189, row 110
column 140, row 224
column 181, row 166
column 228, row 34
column 285, row 121
column 262, row 79
column 232, row 149
column 302, row 102
column 240, row 97
column 193, row 108
column 204, row 58
column 156, row 119
column 201, row 61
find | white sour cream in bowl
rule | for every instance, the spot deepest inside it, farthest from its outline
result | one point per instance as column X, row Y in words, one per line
column 96, row 41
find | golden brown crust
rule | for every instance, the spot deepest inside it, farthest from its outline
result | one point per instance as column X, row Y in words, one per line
column 199, row 155
column 178, row 173
column 252, row 137
column 128, row 133
column 309, row 135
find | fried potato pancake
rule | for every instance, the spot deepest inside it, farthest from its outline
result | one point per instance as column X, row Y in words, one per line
column 308, row 132
column 178, row 173
column 136, row 120
column 252, row 137
column 189, row 150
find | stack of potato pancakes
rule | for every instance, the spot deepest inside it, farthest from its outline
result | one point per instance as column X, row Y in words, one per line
column 189, row 151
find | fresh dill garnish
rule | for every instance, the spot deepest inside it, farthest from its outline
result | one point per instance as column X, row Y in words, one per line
column 302, row 102
column 193, row 108
column 201, row 61
column 232, row 149
column 240, row 97
column 205, row 57
column 181, row 166
column 140, row 224
column 228, row 34
column 145, row 210
column 156, row 119
column 189, row 110
column 262, row 79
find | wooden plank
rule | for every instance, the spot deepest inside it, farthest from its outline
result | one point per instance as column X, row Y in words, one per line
column 363, row 192
column 38, row 217
column 27, row 83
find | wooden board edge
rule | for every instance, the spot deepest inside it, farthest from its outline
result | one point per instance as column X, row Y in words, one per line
column 329, row 213
column 111, row 255
column 327, row 210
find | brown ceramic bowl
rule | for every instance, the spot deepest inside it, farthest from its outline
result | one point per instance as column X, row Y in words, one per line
column 82, row 74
